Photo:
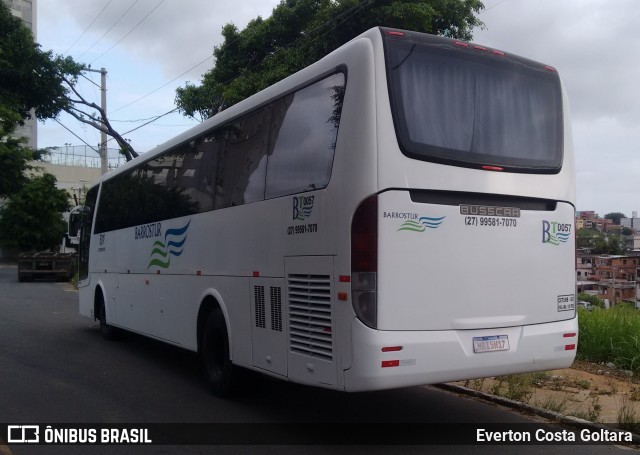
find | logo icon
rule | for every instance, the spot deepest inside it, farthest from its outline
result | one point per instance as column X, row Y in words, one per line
column 302, row 207
column 23, row 434
column 422, row 224
column 174, row 240
column 555, row 233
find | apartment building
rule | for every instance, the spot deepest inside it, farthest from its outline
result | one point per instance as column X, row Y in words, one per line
column 616, row 277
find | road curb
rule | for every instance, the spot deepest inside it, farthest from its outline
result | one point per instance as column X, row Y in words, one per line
column 545, row 413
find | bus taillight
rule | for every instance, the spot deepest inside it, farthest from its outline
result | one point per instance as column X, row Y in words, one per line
column 364, row 261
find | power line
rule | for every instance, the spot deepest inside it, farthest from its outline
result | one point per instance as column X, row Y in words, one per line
column 85, row 142
column 85, row 77
column 88, row 27
column 153, row 119
column 336, row 21
column 129, row 32
column 109, row 29
column 494, row 5
column 150, row 121
column 162, row 86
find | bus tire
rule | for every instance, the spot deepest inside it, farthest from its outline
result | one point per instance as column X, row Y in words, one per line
column 108, row 332
column 216, row 361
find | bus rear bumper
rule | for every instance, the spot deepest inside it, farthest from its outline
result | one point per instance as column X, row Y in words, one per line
column 392, row 359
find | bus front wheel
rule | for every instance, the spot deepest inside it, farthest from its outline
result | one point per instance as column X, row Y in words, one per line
column 216, row 360
column 108, row 332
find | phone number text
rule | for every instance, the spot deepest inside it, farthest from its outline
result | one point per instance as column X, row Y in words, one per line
column 302, row 229
column 490, row 221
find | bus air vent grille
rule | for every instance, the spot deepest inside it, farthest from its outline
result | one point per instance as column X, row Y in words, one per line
column 310, row 315
column 258, row 295
column 276, row 308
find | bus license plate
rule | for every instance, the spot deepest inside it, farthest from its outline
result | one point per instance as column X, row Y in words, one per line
column 491, row 343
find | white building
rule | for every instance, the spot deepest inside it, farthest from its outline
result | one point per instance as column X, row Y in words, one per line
column 631, row 223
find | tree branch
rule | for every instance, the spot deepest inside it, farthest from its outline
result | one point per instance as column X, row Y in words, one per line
column 100, row 122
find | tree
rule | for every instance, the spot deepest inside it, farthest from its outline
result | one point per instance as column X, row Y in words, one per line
column 299, row 32
column 615, row 217
column 31, row 79
column 32, row 219
column 598, row 242
column 14, row 159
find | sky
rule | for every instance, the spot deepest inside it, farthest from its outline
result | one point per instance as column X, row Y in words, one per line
column 151, row 47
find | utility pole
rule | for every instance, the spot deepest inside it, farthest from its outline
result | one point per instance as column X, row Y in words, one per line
column 103, row 134
column 104, row 166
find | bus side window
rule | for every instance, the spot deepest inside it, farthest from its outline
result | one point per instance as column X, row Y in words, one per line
column 303, row 138
column 241, row 160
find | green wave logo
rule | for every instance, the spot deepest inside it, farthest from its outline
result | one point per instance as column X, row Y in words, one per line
column 174, row 240
column 422, row 224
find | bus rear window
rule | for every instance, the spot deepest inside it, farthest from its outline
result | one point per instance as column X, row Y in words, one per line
column 464, row 106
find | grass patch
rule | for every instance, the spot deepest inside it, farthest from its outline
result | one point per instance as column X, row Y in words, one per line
column 518, row 387
column 628, row 418
column 555, row 404
column 592, row 414
column 611, row 335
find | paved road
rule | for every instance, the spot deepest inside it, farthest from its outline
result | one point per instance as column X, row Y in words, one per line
column 56, row 368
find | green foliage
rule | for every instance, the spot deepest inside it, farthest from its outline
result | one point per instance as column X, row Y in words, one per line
column 14, row 158
column 592, row 299
column 300, row 32
column 599, row 243
column 29, row 77
column 611, row 335
column 32, row 219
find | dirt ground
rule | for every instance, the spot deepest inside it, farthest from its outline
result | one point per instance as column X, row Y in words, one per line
column 595, row 392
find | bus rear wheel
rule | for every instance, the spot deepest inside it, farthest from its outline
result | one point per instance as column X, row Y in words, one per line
column 216, row 360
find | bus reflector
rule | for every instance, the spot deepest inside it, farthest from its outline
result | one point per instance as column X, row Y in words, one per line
column 392, row 33
column 493, row 168
column 343, row 296
column 569, row 347
column 550, row 68
column 344, row 279
column 390, row 363
column 392, row 348
column 256, row 274
column 569, row 335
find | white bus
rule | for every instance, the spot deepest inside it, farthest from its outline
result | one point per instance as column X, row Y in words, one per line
column 398, row 213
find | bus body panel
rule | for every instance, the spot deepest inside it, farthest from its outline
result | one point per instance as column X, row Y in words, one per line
column 434, row 357
column 468, row 266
